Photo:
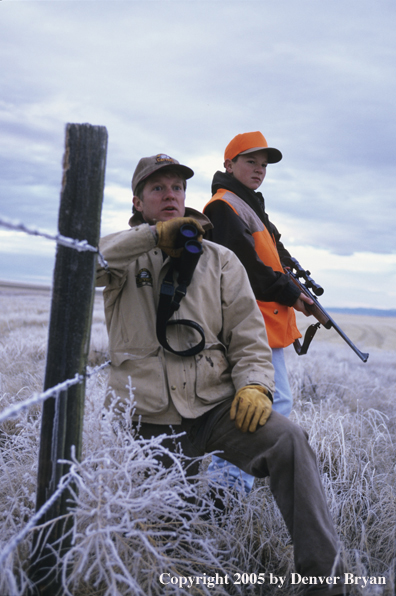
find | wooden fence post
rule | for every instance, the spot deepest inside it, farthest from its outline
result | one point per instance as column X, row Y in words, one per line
column 68, row 341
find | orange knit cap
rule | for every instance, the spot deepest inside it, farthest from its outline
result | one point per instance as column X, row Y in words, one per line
column 249, row 142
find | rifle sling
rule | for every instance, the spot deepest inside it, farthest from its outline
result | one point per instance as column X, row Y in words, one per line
column 302, row 349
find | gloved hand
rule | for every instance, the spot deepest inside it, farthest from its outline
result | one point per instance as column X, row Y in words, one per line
column 168, row 232
column 251, row 406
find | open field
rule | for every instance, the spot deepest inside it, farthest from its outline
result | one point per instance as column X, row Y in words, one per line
column 365, row 332
column 123, row 534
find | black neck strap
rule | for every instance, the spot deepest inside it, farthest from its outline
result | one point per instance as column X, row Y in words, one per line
column 169, row 303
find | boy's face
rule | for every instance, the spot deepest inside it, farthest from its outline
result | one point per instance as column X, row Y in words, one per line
column 250, row 169
column 163, row 198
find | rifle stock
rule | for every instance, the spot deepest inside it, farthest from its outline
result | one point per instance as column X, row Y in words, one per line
column 316, row 310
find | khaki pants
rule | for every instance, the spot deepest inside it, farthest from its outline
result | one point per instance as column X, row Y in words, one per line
column 280, row 450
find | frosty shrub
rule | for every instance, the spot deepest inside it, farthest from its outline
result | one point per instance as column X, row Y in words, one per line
column 133, row 520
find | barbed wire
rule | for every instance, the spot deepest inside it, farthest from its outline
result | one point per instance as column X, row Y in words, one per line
column 13, row 543
column 54, row 391
column 80, row 245
column 98, row 368
column 14, row 410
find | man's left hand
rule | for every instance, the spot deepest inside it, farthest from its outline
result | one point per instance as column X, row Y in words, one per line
column 251, row 407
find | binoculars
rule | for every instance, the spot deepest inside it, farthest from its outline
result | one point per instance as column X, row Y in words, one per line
column 170, row 297
column 188, row 260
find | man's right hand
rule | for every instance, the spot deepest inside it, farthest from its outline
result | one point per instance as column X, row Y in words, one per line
column 168, row 232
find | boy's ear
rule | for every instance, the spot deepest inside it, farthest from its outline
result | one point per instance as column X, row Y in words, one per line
column 228, row 165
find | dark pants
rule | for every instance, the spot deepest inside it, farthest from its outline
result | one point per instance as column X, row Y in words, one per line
column 280, row 450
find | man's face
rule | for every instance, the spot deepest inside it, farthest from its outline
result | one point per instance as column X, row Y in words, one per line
column 250, row 169
column 163, row 198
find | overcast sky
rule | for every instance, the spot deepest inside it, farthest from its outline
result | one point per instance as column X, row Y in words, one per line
column 183, row 78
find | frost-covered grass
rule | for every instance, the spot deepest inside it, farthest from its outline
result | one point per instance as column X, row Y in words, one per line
column 133, row 520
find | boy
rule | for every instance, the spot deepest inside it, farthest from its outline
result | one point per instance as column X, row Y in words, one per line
column 242, row 225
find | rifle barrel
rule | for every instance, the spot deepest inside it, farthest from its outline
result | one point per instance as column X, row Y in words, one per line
column 362, row 355
column 324, row 318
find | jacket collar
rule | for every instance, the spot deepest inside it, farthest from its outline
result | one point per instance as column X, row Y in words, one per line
column 255, row 200
column 137, row 219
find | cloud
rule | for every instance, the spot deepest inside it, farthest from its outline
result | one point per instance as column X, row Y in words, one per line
column 184, row 77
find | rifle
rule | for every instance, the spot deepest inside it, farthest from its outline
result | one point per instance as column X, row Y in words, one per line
column 294, row 270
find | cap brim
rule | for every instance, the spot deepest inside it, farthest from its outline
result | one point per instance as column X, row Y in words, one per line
column 186, row 171
column 274, row 155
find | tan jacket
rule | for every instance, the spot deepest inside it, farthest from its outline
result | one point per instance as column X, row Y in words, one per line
column 219, row 298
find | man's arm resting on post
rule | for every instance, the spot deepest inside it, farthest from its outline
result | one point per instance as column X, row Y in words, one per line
column 121, row 248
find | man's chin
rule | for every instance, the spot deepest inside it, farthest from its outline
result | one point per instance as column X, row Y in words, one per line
column 165, row 215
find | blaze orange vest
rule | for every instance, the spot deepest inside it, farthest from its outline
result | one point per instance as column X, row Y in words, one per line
column 280, row 320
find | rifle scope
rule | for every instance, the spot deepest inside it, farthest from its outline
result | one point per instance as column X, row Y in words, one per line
column 310, row 284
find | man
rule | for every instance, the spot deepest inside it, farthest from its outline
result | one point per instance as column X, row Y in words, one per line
column 241, row 223
column 221, row 395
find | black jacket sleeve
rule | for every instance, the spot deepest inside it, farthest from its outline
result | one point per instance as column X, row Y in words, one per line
column 230, row 231
column 282, row 251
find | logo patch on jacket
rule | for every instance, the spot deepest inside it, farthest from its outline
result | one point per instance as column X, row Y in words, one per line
column 144, row 278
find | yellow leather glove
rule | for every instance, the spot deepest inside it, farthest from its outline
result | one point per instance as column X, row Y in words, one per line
column 168, row 232
column 251, row 406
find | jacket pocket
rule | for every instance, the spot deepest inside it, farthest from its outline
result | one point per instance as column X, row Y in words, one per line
column 213, row 381
column 147, row 382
